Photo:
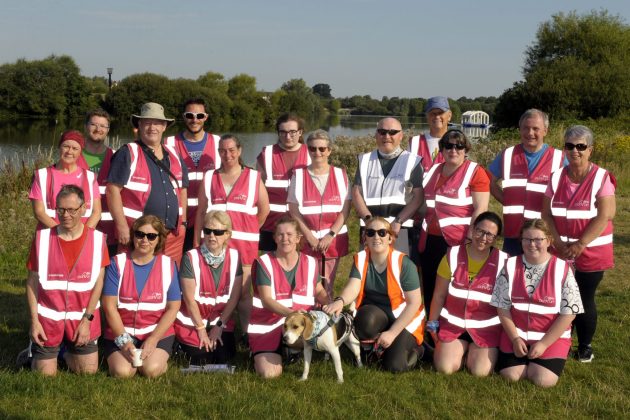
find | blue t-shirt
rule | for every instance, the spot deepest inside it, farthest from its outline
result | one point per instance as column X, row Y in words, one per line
column 162, row 201
column 195, row 148
column 141, row 274
column 533, row 158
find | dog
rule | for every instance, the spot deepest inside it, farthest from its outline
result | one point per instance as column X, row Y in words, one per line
column 319, row 332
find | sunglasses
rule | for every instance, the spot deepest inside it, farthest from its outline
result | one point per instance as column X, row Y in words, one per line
column 449, row 146
column 371, row 232
column 192, row 115
column 314, row 149
column 579, row 146
column 384, row 132
column 138, row 234
column 217, row 232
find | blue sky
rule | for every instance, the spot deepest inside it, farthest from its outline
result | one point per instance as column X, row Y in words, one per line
column 364, row 47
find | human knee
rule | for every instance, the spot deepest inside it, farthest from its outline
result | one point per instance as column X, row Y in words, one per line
column 446, row 367
column 479, row 369
column 543, row 380
column 120, row 371
column 268, row 371
column 511, row 375
column 369, row 322
column 46, row 369
column 153, row 370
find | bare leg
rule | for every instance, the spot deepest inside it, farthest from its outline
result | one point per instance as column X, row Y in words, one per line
column 119, row 366
column 47, row 367
column 480, row 361
column 155, row 365
column 448, row 357
column 82, row 363
column 514, row 373
column 541, row 376
column 268, row 365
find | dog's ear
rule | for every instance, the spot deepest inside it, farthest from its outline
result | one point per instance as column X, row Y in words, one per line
column 308, row 328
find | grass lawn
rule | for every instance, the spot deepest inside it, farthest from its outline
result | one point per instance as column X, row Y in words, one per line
column 598, row 389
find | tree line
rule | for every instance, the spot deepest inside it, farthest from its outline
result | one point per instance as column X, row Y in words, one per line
column 577, row 67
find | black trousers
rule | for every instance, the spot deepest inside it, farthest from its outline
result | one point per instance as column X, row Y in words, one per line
column 369, row 322
column 429, row 263
column 586, row 323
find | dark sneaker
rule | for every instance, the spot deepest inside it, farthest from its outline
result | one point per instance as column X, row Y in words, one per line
column 585, row 353
column 24, row 359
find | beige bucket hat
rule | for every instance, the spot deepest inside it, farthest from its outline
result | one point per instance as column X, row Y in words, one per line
column 153, row 111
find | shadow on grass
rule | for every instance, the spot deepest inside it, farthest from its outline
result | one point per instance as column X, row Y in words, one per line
column 14, row 325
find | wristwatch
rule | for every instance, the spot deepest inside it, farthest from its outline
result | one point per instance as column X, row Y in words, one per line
column 332, row 234
column 220, row 324
column 87, row 316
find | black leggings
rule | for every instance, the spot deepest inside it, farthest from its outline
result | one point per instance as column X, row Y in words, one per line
column 369, row 322
column 586, row 323
column 429, row 263
column 223, row 353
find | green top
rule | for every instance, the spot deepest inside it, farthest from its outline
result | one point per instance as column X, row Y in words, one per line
column 376, row 283
column 262, row 279
column 187, row 271
column 94, row 161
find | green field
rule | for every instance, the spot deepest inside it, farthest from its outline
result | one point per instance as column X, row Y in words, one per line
column 599, row 389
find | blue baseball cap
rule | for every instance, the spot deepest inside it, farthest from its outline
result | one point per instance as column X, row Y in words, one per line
column 440, row 102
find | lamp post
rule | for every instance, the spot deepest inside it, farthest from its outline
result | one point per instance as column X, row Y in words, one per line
column 110, row 70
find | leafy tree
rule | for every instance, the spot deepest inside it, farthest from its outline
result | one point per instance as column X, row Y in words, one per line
column 576, row 68
column 131, row 92
column 322, row 90
column 214, row 81
column 299, row 98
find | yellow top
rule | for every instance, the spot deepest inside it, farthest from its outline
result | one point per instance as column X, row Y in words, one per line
column 474, row 266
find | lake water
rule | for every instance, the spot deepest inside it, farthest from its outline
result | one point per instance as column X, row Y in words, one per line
column 18, row 137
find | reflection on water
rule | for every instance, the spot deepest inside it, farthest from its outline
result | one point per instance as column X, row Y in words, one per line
column 18, row 136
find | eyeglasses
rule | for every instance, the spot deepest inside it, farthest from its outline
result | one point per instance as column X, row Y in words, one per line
column 138, row 234
column 101, row 126
column 529, row 241
column 216, row 232
column 192, row 115
column 579, row 146
column 481, row 233
column 384, row 132
column 314, row 149
column 371, row 232
column 449, row 146
column 72, row 212
column 290, row 133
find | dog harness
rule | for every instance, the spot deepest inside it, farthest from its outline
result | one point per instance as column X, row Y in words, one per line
column 321, row 323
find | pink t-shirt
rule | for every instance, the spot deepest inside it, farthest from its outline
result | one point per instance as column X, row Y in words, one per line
column 60, row 179
column 606, row 190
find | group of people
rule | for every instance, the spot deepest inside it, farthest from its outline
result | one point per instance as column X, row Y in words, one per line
column 195, row 236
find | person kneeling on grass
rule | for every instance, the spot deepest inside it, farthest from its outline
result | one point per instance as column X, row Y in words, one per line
column 537, row 298
column 141, row 297
column 66, row 267
column 386, row 287
column 285, row 280
column 211, row 277
column 461, row 321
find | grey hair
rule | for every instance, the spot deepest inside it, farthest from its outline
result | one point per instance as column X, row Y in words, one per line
column 68, row 190
column 319, row 135
column 533, row 112
column 579, row 132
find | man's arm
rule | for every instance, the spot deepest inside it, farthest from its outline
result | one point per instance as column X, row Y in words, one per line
column 114, row 201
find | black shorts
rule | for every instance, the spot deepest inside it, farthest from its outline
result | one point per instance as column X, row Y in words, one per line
column 165, row 344
column 266, row 242
column 466, row 337
column 222, row 354
column 51, row 352
column 507, row 360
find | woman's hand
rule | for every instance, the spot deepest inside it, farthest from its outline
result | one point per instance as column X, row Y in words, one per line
column 82, row 334
column 148, row 347
column 537, row 350
column 324, row 243
column 215, row 336
column 519, row 346
column 204, row 340
column 333, row 308
column 574, row 249
column 37, row 333
column 127, row 351
column 385, row 339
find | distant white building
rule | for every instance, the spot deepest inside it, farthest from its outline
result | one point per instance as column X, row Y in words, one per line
column 475, row 119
